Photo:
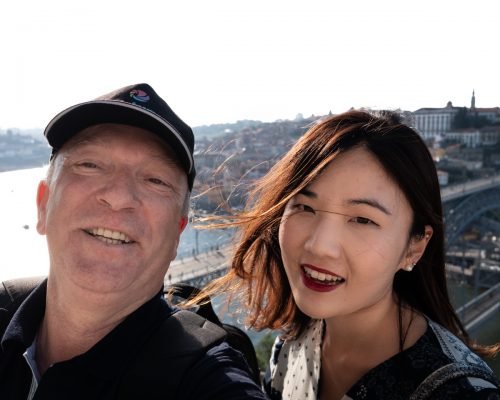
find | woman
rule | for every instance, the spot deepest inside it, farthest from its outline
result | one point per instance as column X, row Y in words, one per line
column 342, row 249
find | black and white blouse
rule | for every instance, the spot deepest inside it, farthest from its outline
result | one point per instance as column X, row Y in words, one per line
column 295, row 365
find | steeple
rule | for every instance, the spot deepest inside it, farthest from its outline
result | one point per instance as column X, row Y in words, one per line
column 473, row 101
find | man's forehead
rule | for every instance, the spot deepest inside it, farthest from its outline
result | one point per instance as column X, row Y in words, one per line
column 100, row 134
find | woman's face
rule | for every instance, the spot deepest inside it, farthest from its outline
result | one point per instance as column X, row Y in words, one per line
column 345, row 236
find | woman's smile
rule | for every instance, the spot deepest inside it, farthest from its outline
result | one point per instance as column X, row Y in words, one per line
column 344, row 237
column 320, row 280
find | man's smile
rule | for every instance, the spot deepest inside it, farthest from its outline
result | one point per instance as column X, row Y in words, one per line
column 108, row 236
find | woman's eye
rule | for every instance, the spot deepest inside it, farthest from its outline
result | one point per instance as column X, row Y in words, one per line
column 303, row 208
column 363, row 221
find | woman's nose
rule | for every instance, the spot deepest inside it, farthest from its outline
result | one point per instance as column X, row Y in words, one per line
column 324, row 237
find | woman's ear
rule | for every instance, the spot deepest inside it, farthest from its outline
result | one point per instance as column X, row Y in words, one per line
column 416, row 248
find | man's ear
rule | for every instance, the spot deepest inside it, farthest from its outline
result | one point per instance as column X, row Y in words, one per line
column 42, row 196
column 416, row 249
column 182, row 223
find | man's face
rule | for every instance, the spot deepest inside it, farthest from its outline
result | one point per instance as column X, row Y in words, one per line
column 112, row 211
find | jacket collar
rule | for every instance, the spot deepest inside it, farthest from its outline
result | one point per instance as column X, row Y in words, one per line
column 108, row 357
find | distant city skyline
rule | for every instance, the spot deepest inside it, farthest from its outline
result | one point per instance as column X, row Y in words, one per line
column 223, row 61
column 34, row 129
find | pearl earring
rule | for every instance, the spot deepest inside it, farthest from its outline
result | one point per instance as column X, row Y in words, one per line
column 410, row 267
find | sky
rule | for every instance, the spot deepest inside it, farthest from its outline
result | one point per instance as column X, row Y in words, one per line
column 221, row 61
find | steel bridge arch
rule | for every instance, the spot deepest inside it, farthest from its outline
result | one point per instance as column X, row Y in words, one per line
column 459, row 217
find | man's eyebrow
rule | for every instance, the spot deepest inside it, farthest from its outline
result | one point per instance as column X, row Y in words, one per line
column 165, row 158
column 369, row 202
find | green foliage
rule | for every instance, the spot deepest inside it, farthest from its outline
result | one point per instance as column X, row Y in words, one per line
column 467, row 119
column 263, row 350
column 461, row 119
column 479, row 122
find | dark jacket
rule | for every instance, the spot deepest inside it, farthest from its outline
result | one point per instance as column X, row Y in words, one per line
column 134, row 361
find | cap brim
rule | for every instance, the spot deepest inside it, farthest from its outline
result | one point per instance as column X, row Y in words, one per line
column 74, row 119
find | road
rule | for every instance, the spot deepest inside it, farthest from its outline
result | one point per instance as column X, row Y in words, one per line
column 191, row 267
column 455, row 191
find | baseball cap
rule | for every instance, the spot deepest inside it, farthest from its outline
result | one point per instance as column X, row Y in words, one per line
column 137, row 105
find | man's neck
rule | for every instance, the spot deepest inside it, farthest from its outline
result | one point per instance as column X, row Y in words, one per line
column 75, row 320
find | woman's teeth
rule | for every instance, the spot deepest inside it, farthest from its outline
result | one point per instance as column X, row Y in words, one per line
column 322, row 277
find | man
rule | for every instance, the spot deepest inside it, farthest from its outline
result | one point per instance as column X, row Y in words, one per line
column 112, row 207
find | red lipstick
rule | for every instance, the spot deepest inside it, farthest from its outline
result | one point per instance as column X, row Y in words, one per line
column 319, row 285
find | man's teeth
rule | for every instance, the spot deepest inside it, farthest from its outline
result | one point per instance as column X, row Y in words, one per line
column 109, row 236
column 320, row 276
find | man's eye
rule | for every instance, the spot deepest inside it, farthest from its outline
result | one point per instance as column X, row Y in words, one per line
column 88, row 165
column 156, row 181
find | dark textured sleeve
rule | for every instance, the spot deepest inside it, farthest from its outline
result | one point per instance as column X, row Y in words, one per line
column 461, row 389
column 221, row 374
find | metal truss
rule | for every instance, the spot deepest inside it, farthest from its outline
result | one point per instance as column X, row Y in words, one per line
column 457, row 218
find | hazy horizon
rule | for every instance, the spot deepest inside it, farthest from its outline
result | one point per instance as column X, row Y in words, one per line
column 222, row 61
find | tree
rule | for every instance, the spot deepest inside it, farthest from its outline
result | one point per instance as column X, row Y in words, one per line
column 263, row 350
column 461, row 119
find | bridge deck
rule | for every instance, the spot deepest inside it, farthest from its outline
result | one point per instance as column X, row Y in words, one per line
column 192, row 268
column 480, row 307
column 463, row 189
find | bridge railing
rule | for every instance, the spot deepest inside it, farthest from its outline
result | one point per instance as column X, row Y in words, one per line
column 199, row 276
column 459, row 190
column 489, row 297
column 488, row 293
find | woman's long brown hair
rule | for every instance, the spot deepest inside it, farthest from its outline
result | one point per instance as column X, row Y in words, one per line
column 256, row 271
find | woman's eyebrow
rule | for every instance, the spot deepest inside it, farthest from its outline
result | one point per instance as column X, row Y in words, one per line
column 308, row 193
column 353, row 202
column 369, row 202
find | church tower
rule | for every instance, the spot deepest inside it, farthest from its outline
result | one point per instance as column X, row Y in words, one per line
column 473, row 101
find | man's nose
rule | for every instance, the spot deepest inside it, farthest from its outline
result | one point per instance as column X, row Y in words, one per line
column 324, row 237
column 120, row 191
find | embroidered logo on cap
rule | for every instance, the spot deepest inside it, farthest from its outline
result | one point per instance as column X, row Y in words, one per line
column 139, row 95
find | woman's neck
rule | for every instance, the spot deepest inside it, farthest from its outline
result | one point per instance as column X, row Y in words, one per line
column 356, row 343
column 374, row 329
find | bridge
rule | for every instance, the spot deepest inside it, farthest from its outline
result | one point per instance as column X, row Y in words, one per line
column 460, row 190
column 468, row 202
column 200, row 269
column 480, row 308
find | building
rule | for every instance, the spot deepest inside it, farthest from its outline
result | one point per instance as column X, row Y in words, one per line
column 465, row 125
column 492, row 114
column 470, row 137
column 475, row 137
column 432, row 123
